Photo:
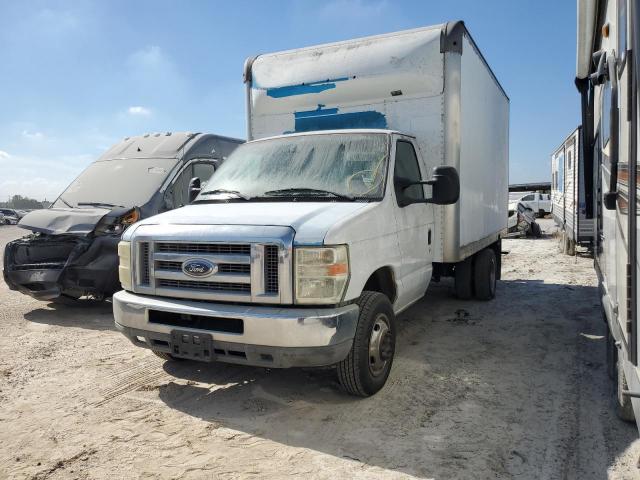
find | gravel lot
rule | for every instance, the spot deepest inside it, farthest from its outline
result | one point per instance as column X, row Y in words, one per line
column 515, row 387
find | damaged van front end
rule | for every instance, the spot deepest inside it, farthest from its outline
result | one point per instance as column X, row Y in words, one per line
column 69, row 254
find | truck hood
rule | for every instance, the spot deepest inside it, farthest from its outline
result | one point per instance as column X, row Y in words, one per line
column 310, row 220
column 56, row 221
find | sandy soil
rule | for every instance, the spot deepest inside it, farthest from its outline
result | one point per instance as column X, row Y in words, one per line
column 513, row 388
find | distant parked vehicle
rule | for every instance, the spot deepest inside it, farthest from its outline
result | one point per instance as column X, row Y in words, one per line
column 10, row 216
column 539, row 203
column 74, row 250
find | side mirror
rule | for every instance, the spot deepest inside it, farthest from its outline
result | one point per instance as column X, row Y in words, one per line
column 610, row 200
column 194, row 188
column 446, row 185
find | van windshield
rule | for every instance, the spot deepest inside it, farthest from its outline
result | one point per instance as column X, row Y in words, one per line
column 349, row 166
column 127, row 182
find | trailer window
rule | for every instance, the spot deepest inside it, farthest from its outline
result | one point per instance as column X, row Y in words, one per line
column 569, row 160
column 407, row 167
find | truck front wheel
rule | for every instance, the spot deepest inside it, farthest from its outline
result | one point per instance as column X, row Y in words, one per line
column 485, row 274
column 366, row 368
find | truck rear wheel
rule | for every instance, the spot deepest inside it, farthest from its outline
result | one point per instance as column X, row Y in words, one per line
column 365, row 370
column 464, row 279
column 485, row 270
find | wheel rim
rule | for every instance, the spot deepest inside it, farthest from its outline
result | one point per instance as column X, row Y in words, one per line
column 380, row 345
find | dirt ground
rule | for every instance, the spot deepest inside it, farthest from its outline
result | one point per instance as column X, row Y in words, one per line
column 512, row 388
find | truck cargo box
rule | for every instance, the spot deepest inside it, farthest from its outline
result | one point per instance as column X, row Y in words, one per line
column 432, row 83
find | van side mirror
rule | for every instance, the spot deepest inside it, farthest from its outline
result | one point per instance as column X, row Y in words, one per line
column 445, row 184
column 194, row 188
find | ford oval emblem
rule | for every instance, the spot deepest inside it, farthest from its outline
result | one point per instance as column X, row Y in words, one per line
column 199, row 268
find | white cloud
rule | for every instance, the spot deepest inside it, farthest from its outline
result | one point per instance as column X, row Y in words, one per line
column 140, row 111
column 4, row 155
column 32, row 135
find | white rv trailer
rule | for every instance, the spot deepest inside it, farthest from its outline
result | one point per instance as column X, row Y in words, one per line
column 607, row 70
column 568, row 196
column 374, row 165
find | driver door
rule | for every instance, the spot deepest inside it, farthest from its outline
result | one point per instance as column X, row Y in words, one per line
column 414, row 225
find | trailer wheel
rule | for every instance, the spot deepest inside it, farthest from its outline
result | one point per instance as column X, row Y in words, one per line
column 536, row 230
column 366, row 368
column 484, row 274
column 624, row 409
column 464, row 279
column 165, row 356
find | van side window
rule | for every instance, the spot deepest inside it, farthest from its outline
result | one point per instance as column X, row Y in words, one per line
column 407, row 167
column 177, row 194
column 528, row 198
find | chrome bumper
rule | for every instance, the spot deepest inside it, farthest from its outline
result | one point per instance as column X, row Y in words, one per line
column 271, row 336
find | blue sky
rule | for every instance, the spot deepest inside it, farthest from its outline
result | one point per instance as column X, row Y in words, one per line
column 77, row 76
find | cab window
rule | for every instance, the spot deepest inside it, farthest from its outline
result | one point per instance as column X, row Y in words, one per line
column 178, row 193
column 528, row 198
column 407, row 167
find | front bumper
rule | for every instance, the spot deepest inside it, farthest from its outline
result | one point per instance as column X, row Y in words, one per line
column 46, row 267
column 271, row 336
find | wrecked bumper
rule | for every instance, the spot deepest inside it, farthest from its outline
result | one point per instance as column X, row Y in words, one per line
column 47, row 266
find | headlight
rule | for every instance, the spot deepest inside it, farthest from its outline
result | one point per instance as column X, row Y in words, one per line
column 124, row 269
column 321, row 274
column 115, row 225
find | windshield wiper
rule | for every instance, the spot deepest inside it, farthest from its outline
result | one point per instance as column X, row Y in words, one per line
column 224, row 190
column 315, row 192
column 65, row 202
column 99, row 204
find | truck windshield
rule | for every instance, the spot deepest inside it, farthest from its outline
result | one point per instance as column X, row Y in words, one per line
column 127, row 182
column 339, row 167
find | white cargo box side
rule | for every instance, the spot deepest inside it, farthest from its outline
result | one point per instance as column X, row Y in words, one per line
column 411, row 82
column 477, row 144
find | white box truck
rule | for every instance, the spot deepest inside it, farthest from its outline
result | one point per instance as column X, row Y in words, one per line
column 375, row 165
column 569, row 194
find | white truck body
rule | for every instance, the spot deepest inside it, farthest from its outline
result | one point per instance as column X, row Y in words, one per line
column 452, row 104
column 607, row 73
column 425, row 94
column 540, row 203
column 568, row 192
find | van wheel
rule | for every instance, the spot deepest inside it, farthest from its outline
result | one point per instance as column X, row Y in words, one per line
column 366, row 368
column 624, row 409
column 464, row 279
column 485, row 274
column 165, row 356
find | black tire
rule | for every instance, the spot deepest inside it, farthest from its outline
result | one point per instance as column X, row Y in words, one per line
column 536, row 231
column 464, row 279
column 624, row 409
column 612, row 355
column 358, row 374
column 485, row 268
column 165, row 356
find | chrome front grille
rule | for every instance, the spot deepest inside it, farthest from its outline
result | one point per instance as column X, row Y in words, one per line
column 244, row 272
column 179, row 247
column 271, row 266
column 208, row 286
